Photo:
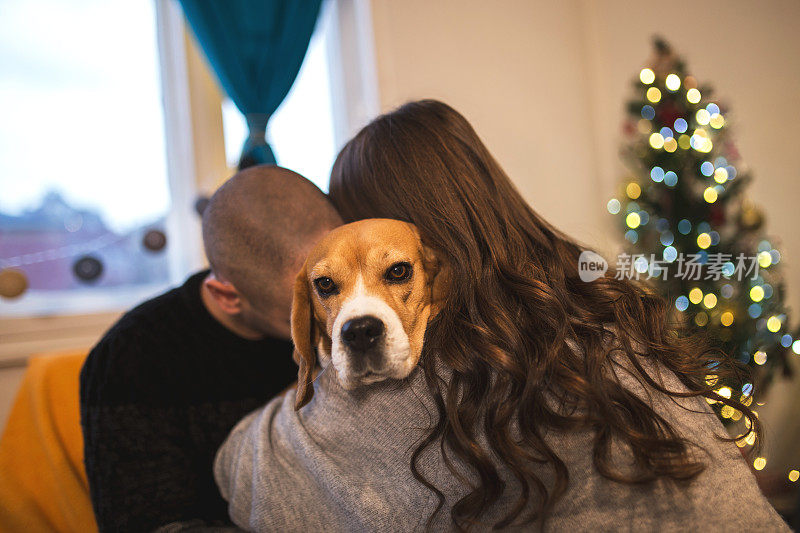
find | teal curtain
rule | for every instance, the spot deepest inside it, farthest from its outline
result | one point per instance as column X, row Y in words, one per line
column 256, row 48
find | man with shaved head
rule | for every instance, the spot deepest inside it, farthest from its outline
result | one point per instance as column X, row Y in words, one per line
column 165, row 385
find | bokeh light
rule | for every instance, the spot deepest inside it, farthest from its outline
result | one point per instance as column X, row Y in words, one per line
column 702, row 116
column 654, row 94
column 701, row 319
column 657, row 174
column 656, row 141
column 647, row 76
column 774, row 324
column 757, row 293
column 695, row 295
column 726, row 319
column 673, row 82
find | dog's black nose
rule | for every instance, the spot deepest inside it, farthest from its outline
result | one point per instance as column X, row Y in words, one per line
column 362, row 333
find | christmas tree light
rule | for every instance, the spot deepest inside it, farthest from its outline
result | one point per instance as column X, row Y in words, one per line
column 690, row 230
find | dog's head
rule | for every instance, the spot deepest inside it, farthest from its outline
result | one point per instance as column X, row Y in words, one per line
column 363, row 299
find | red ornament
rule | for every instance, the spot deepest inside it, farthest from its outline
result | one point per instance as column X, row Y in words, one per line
column 667, row 113
column 716, row 215
column 628, row 128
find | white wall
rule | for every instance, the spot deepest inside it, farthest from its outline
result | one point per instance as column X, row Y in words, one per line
column 544, row 84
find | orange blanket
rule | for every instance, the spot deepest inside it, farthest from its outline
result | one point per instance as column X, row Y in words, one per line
column 43, row 485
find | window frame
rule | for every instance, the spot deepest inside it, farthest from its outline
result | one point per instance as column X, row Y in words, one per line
column 196, row 156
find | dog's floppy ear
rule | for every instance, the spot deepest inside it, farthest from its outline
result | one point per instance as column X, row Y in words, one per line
column 302, row 330
column 440, row 278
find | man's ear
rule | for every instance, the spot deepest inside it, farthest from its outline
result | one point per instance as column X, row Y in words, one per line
column 302, row 331
column 225, row 294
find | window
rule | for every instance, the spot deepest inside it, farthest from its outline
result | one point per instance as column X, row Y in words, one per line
column 111, row 125
column 301, row 132
column 83, row 168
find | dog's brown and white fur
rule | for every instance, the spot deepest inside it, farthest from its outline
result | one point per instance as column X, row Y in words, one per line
column 363, row 299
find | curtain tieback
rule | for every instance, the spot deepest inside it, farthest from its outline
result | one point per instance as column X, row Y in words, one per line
column 257, row 126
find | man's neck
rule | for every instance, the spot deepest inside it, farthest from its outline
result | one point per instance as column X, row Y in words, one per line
column 227, row 321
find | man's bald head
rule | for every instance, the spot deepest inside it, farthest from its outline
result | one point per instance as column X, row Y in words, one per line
column 259, row 226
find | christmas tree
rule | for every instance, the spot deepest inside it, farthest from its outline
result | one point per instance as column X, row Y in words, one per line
column 691, row 231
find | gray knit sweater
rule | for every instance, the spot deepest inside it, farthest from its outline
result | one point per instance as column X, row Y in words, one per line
column 342, row 464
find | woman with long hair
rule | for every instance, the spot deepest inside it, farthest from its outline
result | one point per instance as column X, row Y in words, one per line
column 550, row 402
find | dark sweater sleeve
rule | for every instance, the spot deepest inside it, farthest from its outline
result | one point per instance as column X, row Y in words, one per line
column 141, row 473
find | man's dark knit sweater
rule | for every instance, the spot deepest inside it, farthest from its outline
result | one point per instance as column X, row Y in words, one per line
column 159, row 394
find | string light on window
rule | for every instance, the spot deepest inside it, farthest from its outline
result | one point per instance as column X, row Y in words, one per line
column 13, row 283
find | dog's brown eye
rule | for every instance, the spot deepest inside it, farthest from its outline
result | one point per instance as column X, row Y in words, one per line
column 325, row 286
column 398, row 272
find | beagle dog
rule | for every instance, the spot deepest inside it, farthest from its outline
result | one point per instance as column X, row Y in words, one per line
column 363, row 300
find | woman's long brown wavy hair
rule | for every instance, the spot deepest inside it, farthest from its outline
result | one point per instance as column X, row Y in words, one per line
column 515, row 302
